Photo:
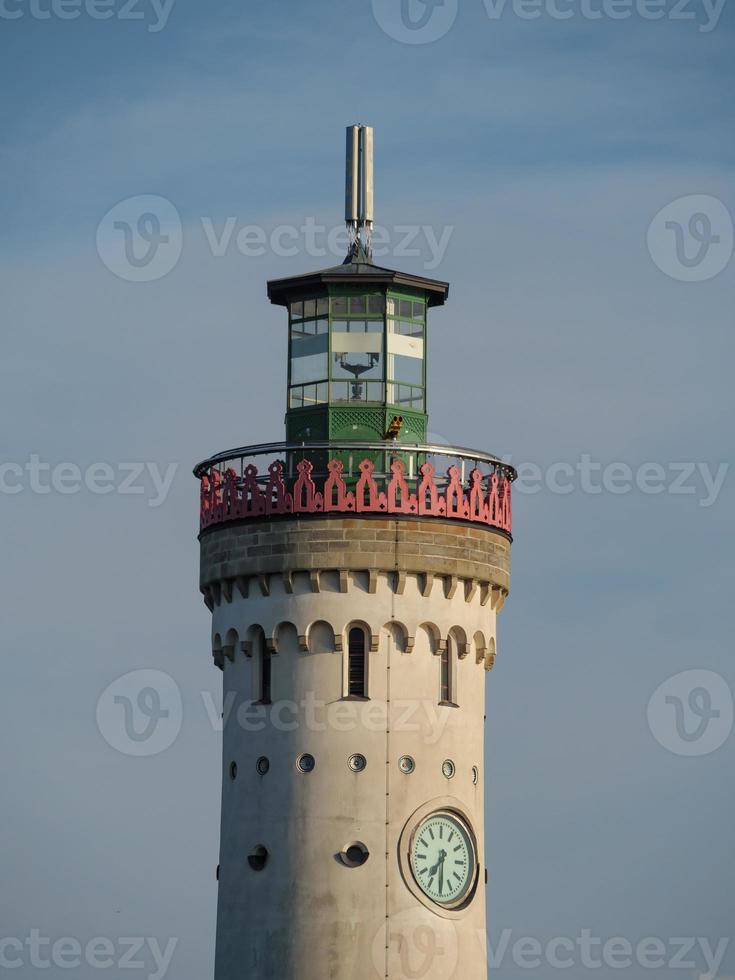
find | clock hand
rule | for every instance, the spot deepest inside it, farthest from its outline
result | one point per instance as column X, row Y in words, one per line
column 440, row 861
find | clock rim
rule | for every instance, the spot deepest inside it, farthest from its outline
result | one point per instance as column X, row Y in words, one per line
column 464, row 824
column 442, row 804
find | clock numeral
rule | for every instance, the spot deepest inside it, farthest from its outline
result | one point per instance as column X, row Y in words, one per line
column 457, row 876
column 431, row 833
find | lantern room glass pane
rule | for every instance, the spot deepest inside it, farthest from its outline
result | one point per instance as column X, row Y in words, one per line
column 357, row 391
column 406, row 328
column 357, row 365
column 409, row 369
column 313, row 367
column 307, row 328
column 357, row 326
column 406, row 396
column 303, row 396
column 309, row 351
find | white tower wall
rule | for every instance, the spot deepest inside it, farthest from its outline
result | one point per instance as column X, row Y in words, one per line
column 290, row 592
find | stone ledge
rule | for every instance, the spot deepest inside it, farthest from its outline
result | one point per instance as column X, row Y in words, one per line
column 467, row 553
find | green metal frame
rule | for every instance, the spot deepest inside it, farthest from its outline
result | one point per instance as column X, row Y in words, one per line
column 341, row 419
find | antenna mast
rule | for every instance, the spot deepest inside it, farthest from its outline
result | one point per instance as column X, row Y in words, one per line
column 359, row 188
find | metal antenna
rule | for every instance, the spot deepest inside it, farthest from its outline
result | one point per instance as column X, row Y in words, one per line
column 359, row 188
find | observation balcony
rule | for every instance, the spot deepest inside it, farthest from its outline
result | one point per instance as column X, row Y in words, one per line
column 403, row 480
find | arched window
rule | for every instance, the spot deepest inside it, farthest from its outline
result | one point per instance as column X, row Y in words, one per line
column 447, row 678
column 356, row 663
column 265, row 675
column 261, row 667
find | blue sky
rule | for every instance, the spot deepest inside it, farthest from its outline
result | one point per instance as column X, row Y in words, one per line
column 546, row 148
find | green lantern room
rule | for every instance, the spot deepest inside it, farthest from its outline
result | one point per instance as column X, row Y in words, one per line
column 356, row 350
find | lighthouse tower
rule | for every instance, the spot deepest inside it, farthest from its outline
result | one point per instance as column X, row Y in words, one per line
column 354, row 575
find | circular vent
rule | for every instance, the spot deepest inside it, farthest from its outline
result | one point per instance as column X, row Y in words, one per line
column 355, row 854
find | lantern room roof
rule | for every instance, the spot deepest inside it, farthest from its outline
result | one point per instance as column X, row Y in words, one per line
column 356, row 270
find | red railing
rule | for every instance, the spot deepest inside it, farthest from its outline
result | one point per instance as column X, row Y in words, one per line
column 478, row 497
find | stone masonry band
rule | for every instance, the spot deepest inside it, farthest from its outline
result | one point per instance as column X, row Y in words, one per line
column 234, row 553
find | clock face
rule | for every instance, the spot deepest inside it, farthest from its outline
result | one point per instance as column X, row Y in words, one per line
column 443, row 858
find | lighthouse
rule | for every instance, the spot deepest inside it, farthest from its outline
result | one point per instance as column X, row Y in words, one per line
column 354, row 575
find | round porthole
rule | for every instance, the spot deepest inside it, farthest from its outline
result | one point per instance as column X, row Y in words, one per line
column 305, row 762
column 357, row 762
column 475, row 775
column 448, row 768
column 355, row 854
column 233, row 770
column 258, row 858
column 406, row 764
column 262, row 765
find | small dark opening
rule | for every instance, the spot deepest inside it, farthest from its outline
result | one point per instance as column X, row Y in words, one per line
column 258, row 857
column 265, row 677
column 446, row 675
column 233, row 770
column 356, row 662
column 355, row 855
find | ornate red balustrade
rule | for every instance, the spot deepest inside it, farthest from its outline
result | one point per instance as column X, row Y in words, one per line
column 479, row 497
